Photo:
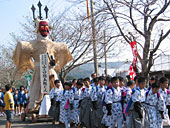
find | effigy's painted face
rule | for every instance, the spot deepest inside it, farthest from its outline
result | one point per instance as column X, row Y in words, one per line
column 44, row 28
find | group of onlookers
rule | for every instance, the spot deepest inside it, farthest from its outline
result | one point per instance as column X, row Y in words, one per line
column 21, row 99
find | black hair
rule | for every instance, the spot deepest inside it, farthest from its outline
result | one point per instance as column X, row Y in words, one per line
column 141, row 79
column 74, row 80
column 21, row 87
column 108, row 79
column 136, row 78
column 68, row 84
column 87, row 79
column 130, row 82
column 114, row 79
column 120, row 78
column 101, row 78
column 80, row 83
column 80, row 79
column 56, row 81
column 95, row 79
column 7, row 87
column 155, row 85
column 163, row 79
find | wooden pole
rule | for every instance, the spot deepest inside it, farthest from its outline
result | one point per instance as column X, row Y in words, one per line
column 105, row 53
column 94, row 38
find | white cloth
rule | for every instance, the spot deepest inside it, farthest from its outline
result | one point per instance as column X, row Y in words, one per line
column 45, row 105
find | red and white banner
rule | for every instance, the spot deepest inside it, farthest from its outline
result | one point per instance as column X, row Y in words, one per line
column 133, row 68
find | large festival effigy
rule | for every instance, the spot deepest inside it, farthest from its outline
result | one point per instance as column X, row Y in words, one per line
column 27, row 56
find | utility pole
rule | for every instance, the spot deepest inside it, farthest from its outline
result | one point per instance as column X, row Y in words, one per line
column 94, row 38
column 105, row 53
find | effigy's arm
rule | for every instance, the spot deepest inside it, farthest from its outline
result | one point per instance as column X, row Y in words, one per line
column 62, row 55
column 22, row 58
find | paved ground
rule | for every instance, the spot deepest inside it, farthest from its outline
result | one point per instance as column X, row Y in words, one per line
column 41, row 123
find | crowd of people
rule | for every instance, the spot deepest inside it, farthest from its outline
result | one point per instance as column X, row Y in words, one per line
column 21, row 99
column 103, row 102
column 111, row 102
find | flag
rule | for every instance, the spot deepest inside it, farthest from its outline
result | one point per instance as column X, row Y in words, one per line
column 133, row 68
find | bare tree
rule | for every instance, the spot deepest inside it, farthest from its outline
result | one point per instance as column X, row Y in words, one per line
column 144, row 21
column 7, row 67
column 75, row 30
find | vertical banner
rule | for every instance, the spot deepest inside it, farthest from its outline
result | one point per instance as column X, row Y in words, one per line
column 133, row 68
column 44, row 76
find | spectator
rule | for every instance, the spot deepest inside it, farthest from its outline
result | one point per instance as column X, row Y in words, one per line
column 16, row 102
column 9, row 105
column 74, row 82
column 21, row 99
column 2, row 104
column 93, row 75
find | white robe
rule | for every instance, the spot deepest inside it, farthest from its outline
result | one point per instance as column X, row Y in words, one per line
column 45, row 105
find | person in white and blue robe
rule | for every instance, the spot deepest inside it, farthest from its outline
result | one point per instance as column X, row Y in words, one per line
column 127, row 94
column 66, row 105
column 108, row 86
column 113, row 99
column 85, row 105
column 77, row 92
column 55, row 101
column 155, row 105
column 138, row 114
column 164, row 82
column 97, row 93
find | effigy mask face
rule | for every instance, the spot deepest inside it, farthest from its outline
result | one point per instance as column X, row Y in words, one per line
column 44, row 28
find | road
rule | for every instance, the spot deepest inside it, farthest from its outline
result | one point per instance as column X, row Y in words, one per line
column 41, row 123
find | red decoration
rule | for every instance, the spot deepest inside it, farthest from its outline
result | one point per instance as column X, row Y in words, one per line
column 133, row 68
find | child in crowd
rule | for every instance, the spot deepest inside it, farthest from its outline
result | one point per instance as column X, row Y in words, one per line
column 55, row 101
column 122, row 83
column 77, row 92
column 97, row 93
column 95, row 82
column 108, row 86
column 108, row 81
column 127, row 95
column 66, row 104
column 93, row 75
column 26, row 99
column 136, row 82
column 21, row 99
column 16, row 102
column 164, row 82
column 2, row 103
column 138, row 114
column 151, row 81
column 85, row 104
column 155, row 106
column 74, row 81
column 113, row 104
